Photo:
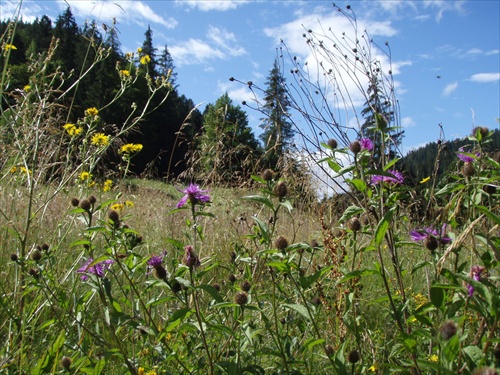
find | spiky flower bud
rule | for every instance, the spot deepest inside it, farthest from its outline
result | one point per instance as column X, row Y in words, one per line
column 160, row 272
column 355, row 147
column 280, row 190
column 85, row 204
column 468, row 169
column 281, row 243
column 246, row 286
column 92, row 199
column 241, row 298
column 114, row 217
column 329, row 350
column 232, row 278
column 483, row 130
column 314, row 243
column 353, row 356
column 66, row 362
column 36, row 255
column 332, row 143
column 75, row 202
column 448, row 330
column 14, row 257
column 33, row 272
column 45, row 247
column 267, row 175
column 431, row 243
column 354, row 224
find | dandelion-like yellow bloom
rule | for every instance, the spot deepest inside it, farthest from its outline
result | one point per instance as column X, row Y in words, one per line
column 139, row 50
column 425, row 180
column 72, row 129
column 117, row 207
column 131, row 148
column 107, row 185
column 13, row 169
column 26, row 88
column 145, row 60
column 9, row 47
column 24, row 170
column 129, row 204
column 433, row 358
column 84, row 176
column 125, row 73
column 373, row 368
column 151, row 372
column 92, row 111
column 100, row 139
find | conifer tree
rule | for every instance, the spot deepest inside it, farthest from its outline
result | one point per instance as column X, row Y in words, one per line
column 278, row 132
column 149, row 50
column 66, row 30
column 166, row 65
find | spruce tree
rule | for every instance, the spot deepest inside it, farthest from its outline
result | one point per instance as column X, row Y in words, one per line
column 278, row 132
column 66, row 30
column 149, row 50
column 166, row 65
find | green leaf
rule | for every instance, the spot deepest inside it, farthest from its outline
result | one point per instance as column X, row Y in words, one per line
column 260, row 200
column 421, row 264
column 333, row 165
column 358, row 273
column 311, row 343
column 489, row 214
column 451, row 348
column 307, row 281
column 358, row 184
column 391, row 163
column 301, row 309
column 437, row 295
column 212, row 291
column 382, row 226
column 350, row 212
column 451, row 187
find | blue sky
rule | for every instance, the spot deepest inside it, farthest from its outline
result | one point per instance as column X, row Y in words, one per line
column 445, row 54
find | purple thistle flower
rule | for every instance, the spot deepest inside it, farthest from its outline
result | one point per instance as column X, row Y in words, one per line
column 366, row 144
column 475, row 274
column 96, row 269
column 420, row 234
column 193, row 195
column 190, row 258
column 155, row 261
column 397, row 179
column 465, row 156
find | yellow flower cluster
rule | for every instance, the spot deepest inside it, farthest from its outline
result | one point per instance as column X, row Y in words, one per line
column 107, row 185
column 85, row 176
column 141, row 371
column 121, row 206
column 27, row 88
column 100, row 139
column 131, row 148
column 8, row 47
column 420, row 300
column 433, row 358
column 72, row 129
column 124, row 73
column 92, row 111
column 144, row 60
column 21, row 169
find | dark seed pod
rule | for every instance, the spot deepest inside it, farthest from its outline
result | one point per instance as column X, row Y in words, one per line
column 448, row 330
column 281, row 243
column 267, row 175
column 246, row 286
column 75, row 202
column 92, row 199
column 14, row 257
column 354, row 224
column 332, row 143
column 241, row 298
column 65, row 362
column 280, row 190
column 431, row 243
column 468, row 169
column 353, row 356
column 85, row 204
column 355, row 147
column 329, row 350
column 36, row 255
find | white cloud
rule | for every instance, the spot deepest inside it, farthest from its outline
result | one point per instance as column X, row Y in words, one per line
column 137, row 12
column 450, row 88
column 492, row 52
column 219, row 44
column 29, row 11
column 407, row 122
column 208, row 5
column 485, row 77
column 442, row 6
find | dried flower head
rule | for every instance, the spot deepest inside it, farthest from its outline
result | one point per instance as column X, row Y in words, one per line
column 241, row 298
column 332, row 143
column 232, row 279
column 353, row 356
column 267, row 175
column 14, row 257
column 75, row 202
column 355, row 147
column 246, row 286
column 448, row 330
column 280, row 190
column 114, row 217
column 468, row 169
column 354, row 224
column 329, row 350
column 281, row 243
column 92, row 199
column 431, row 243
column 65, row 362
column 85, row 204
column 36, row 255
column 483, row 131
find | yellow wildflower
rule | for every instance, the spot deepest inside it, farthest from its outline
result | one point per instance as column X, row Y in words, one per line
column 125, row 73
column 145, row 60
column 140, row 371
column 107, row 185
column 433, row 358
column 92, row 111
column 139, row 50
column 151, row 372
column 420, row 300
column 84, row 176
column 100, row 139
column 27, row 88
column 24, row 170
column 117, row 207
column 9, row 46
column 129, row 204
column 13, row 169
column 373, row 368
column 131, row 148
column 72, row 130
column 425, row 180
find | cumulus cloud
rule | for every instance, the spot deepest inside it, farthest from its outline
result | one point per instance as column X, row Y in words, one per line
column 450, row 88
column 209, row 5
column 485, row 77
column 218, row 44
column 407, row 122
column 137, row 12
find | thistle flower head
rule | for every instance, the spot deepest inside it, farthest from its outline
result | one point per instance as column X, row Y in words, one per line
column 190, row 258
column 396, row 179
column 366, row 144
column 466, row 156
column 96, row 269
column 475, row 274
column 194, row 195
